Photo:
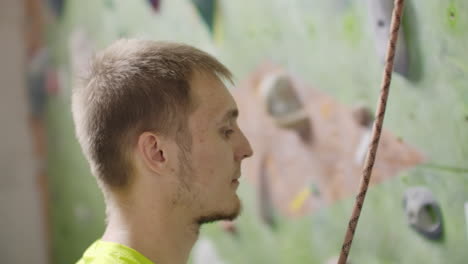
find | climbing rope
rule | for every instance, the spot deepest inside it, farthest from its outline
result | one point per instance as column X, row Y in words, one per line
column 376, row 131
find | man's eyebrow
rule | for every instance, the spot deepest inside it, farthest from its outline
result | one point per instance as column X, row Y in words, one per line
column 230, row 114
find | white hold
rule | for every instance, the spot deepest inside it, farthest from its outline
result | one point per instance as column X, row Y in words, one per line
column 282, row 103
column 363, row 146
column 204, row 252
column 423, row 211
column 381, row 15
column 279, row 95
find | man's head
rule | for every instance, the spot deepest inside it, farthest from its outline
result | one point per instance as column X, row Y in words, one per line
column 155, row 120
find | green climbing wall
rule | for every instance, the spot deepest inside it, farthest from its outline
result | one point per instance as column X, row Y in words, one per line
column 330, row 44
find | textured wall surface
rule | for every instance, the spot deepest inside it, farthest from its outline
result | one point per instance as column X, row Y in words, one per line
column 331, row 46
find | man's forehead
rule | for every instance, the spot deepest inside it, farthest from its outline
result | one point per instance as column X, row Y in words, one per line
column 205, row 85
column 229, row 115
column 214, row 101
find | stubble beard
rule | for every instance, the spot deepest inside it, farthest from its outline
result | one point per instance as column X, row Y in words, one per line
column 192, row 199
column 228, row 214
column 219, row 216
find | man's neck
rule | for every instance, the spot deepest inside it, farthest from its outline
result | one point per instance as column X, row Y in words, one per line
column 160, row 234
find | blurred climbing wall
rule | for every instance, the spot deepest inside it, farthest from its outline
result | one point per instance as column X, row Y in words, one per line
column 22, row 232
column 331, row 46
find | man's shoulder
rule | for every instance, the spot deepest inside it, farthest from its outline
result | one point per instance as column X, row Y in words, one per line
column 101, row 260
column 104, row 252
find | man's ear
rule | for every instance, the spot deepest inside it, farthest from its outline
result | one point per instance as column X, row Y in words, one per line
column 152, row 151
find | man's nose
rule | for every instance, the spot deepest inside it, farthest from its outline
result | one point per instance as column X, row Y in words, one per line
column 244, row 150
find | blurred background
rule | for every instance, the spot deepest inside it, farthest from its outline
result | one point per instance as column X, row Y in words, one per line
column 307, row 75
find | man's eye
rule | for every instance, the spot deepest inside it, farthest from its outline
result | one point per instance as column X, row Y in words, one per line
column 227, row 132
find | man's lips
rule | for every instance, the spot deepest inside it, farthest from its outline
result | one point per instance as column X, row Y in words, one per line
column 235, row 183
column 237, row 176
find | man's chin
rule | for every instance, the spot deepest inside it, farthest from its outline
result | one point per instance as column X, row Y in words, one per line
column 227, row 215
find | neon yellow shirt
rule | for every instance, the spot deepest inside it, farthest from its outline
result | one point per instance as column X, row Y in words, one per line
column 103, row 252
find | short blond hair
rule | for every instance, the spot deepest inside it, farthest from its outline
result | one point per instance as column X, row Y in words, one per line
column 135, row 86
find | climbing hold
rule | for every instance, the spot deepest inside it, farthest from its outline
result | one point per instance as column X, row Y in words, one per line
column 299, row 200
column 423, row 212
column 381, row 15
column 362, row 147
column 265, row 198
column 155, row 4
column 452, row 15
column 283, row 104
column 363, row 116
column 207, row 10
column 57, row 7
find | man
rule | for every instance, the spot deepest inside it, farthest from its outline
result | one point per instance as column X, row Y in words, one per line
column 159, row 130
